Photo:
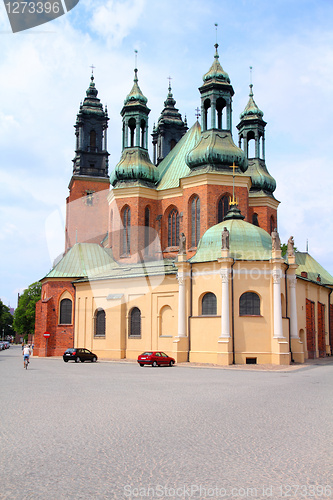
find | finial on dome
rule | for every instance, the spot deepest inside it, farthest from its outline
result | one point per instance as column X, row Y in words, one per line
column 251, row 84
column 169, row 78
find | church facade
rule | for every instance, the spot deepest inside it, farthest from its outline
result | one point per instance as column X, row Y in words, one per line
column 180, row 254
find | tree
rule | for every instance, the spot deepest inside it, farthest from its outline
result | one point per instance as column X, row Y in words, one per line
column 6, row 321
column 24, row 315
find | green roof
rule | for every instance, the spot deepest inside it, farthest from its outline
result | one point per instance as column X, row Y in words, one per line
column 83, row 259
column 173, row 167
column 141, row 269
column 308, row 264
column 246, row 241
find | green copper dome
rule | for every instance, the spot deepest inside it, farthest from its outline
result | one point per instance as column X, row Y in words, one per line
column 260, row 177
column 251, row 109
column 216, row 150
column 136, row 96
column 247, row 242
column 134, row 165
column 91, row 104
column 216, row 73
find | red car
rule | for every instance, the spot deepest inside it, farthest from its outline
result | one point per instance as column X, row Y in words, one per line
column 155, row 358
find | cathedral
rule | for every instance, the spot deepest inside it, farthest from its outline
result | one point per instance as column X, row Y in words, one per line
column 180, row 253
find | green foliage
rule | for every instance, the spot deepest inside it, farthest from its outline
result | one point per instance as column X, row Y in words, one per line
column 24, row 316
column 6, row 321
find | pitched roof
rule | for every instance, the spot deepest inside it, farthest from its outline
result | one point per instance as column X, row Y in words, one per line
column 83, row 260
column 174, row 165
column 308, row 264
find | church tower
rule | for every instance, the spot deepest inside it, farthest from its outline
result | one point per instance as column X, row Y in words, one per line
column 251, row 132
column 169, row 130
column 86, row 210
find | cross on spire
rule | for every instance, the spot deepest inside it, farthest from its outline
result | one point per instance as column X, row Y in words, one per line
column 92, row 69
column 197, row 113
column 169, row 78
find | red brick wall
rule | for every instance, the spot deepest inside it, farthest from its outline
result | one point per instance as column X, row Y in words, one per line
column 310, row 329
column 264, row 217
column 86, row 222
column 209, row 196
column 47, row 319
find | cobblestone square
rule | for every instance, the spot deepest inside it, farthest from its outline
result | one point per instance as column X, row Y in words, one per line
column 115, row 430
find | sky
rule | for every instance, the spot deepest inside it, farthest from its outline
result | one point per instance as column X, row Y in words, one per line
column 45, row 72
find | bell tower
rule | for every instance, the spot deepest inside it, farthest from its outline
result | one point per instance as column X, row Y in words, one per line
column 251, row 134
column 86, row 209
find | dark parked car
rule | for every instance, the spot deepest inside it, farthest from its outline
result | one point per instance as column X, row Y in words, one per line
column 78, row 355
column 155, row 358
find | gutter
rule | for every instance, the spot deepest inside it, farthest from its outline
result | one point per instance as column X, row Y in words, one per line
column 190, row 315
column 288, row 317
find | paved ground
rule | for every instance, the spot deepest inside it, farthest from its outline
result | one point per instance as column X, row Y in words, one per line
column 115, row 430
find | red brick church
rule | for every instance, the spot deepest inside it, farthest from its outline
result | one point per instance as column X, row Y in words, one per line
column 140, row 212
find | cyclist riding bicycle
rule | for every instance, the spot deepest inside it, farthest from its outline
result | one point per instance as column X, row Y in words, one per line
column 26, row 354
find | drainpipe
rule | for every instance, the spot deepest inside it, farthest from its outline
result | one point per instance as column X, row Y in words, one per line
column 288, row 317
column 190, row 315
column 329, row 322
column 232, row 312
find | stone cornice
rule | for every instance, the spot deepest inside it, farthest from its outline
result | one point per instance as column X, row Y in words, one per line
column 88, row 178
column 263, row 201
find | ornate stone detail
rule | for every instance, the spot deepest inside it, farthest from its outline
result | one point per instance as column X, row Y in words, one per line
column 290, row 247
column 225, row 273
column 276, row 274
column 225, row 239
column 181, row 278
column 182, row 244
column 276, row 243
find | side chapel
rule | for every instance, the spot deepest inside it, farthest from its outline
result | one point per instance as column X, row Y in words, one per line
column 180, row 254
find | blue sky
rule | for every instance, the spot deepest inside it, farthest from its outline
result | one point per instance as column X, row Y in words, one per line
column 45, row 72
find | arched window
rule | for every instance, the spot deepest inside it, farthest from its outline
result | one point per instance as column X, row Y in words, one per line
column 222, row 208
column 195, row 221
column 132, row 127
column 173, row 228
column 100, row 323
column 209, row 304
column 255, row 221
column 249, row 304
column 65, row 317
column 143, row 133
column 147, row 224
column 135, row 323
column 92, row 140
column 127, row 231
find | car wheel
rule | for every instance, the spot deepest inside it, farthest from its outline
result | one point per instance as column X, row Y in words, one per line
column 94, row 359
column 141, row 364
column 154, row 363
column 77, row 360
column 66, row 360
column 171, row 363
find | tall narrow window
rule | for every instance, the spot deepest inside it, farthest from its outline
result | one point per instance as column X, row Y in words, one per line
column 100, row 323
column 173, row 229
column 273, row 226
column 209, row 304
column 249, row 304
column 92, row 140
column 222, row 208
column 147, row 224
column 65, row 317
column 135, row 323
column 127, row 231
column 195, row 221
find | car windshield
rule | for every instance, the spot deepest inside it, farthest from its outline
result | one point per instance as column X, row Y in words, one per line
column 147, row 354
column 70, row 350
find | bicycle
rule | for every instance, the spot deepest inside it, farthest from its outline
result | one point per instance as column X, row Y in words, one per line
column 26, row 362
